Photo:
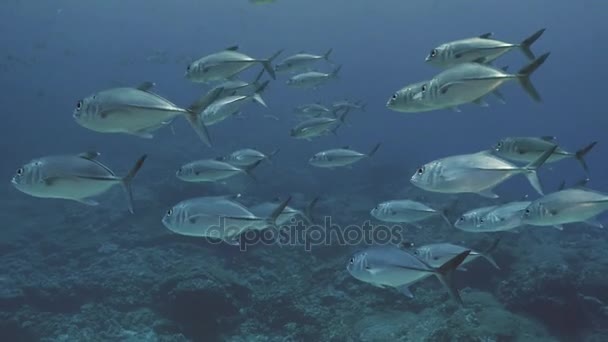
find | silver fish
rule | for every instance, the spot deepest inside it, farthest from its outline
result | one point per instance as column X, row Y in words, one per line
column 312, row 79
column 72, row 177
column 317, row 127
column 315, row 110
column 474, row 173
column 340, row 157
column 225, row 107
column 527, row 149
column 211, row 170
column 482, row 49
column 300, row 61
column 217, row 217
column 137, row 111
column 223, row 65
column 288, row 215
column 238, row 87
column 348, row 105
column 473, row 219
column 577, row 204
column 493, row 219
column 405, row 211
column 390, row 266
column 246, row 157
column 468, row 82
column 437, row 254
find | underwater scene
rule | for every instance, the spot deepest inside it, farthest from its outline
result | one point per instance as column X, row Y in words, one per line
column 290, row 170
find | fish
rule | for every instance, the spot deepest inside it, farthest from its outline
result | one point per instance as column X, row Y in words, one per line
column 246, row 157
column 526, row 149
column 405, row 211
column 138, row 111
column 217, row 217
column 474, row 173
column 471, row 220
column 301, row 61
column 577, row 204
column 211, row 170
column 72, row 177
column 228, row 106
column 312, row 79
column 437, row 254
column 239, row 87
column 226, row 64
column 289, row 213
column 493, row 219
column 314, row 110
column 348, row 105
column 340, row 157
column 390, row 266
column 313, row 128
column 481, row 49
column 468, row 82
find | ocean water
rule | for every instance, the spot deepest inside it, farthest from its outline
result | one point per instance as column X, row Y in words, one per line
column 72, row 272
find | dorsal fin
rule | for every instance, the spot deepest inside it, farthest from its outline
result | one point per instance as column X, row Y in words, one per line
column 91, row 155
column 146, row 86
column 232, row 48
column 486, row 35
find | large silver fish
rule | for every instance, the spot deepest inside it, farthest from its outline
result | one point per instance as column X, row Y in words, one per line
column 405, row 211
column 482, row 49
column 211, row 170
column 218, row 217
column 312, row 79
column 340, row 157
column 577, row 204
column 300, row 61
column 527, row 149
column 228, row 106
column 390, row 266
column 246, row 157
column 226, row 64
column 137, row 111
column 468, row 82
column 437, row 254
column 474, row 173
column 73, row 177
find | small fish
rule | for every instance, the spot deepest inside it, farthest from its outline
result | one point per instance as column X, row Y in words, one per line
column 340, row 157
column 219, row 217
column 347, row 105
column 226, row 64
column 578, row 204
column 300, row 61
column 315, row 110
column 73, row 177
column 468, row 82
column 482, row 49
column 527, row 149
column 288, row 214
column 312, row 79
column 317, row 127
column 137, row 111
column 472, row 220
column 390, row 266
column 225, row 107
column 246, row 157
column 238, row 87
column 405, row 211
column 474, row 173
column 211, row 170
column 437, row 254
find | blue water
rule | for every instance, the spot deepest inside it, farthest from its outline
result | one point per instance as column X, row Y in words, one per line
column 57, row 52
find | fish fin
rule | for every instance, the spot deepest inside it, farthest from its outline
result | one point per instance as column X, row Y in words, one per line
column 308, row 211
column 445, row 274
column 487, row 193
column 199, row 127
column 486, row 35
column 463, row 269
column 487, row 253
column 533, row 166
column 499, row 96
column 374, row 150
column 594, row 223
column 481, row 102
column 250, row 168
column 558, row 226
column 523, row 76
column 527, row 43
column 406, row 291
column 273, row 153
column 257, row 98
column 378, row 285
column 480, row 60
column 258, row 77
column 267, row 63
column 580, row 154
column 327, row 53
column 142, row 134
column 88, row 201
column 146, row 86
column 232, row 48
column 90, row 155
column 444, row 216
column 455, row 109
column 126, row 180
column 272, row 219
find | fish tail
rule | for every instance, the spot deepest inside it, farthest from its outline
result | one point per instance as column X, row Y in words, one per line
column 272, row 154
column 499, row 96
column 326, row 55
column 487, row 253
column 267, row 63
column 193, row 113
column 524, row 74
column 580, row 155
column 374, row 150
column 334, row 74
column 531, row 169
column 527, row 43
column 272, row 219
column 445, row 274
column 257, row 96
column 248, row 170
column 308, row 211
column 199, row 127
column 126, row 180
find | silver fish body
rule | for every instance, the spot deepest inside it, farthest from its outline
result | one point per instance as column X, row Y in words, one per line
column 403, row 211
column 300, row 61
column 339, row 157
column 207, row 170
column 437, row 254
column 312, row 79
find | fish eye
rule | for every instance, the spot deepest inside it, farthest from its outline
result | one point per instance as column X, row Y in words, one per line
column 424, row 87
column 433, row 52
column 527, row 211
column 188, row 68
column 421, row 170
column 480, row 220
column 169, row 212
column 461, row 219
column 20, row 172
column 416, row 252
column 394, row 96
column 352, row 260
column 79, row 105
